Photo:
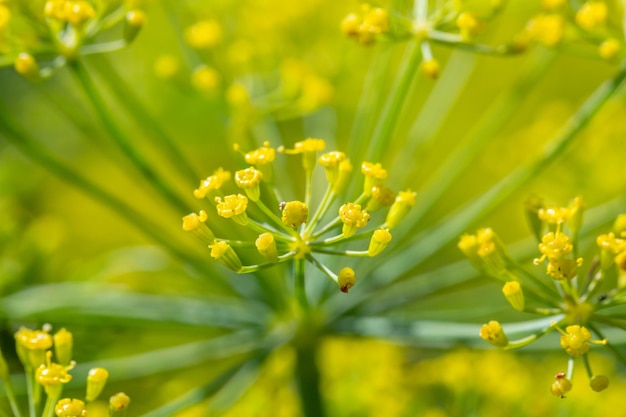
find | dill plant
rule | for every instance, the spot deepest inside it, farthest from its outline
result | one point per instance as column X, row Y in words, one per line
column 284, row 225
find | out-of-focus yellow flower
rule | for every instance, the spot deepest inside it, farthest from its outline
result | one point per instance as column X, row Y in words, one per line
column 166, row 66
column 547, row 29
column 204, row 34
column 591, row 14
column 205, row 79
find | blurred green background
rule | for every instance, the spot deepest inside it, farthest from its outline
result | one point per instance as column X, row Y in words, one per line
column 69, row 260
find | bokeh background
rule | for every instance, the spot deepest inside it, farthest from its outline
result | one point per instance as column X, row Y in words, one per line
column 69, row 260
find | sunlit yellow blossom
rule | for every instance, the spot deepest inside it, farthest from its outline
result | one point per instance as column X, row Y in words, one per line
column 134, row 21
column 295, row 213
column 552, row 4
column 204, row 34
column 225, row 254
column 547, row 29
column 611, row 243
column 512, row 290
column 365, row 26
column 308, row 148
column 266, row 245
column 609, row 48
column 212, row 183
column 350, row 24
column 554, row 215
column 26, row 65
column 591, row 14
column 233, row 206
column 63, row 343
column 53, row 373
column 400, row 207
column 96, row 380
column 561, row 385
column 353, row 218
column 119, row 401
column 492, row 332
column 374, row 174
column 563, row 268
column 576, row 339
column 555, row 245
column 330, row 161
column 468, row 24
column 261, row 156
column 379, row 241
column 382, row 196
column 431, row 68
column 249, row 179
column 166, row 66
column 74, row 12
column 205, row 79
column 31, row 346
column 237, row 95
column 70, row 408
column 5, row 16
column 346, row 279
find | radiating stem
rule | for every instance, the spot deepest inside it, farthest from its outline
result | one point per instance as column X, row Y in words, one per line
column 393, row 106
column 308, row 379
column 122, row 141
column 8, row 388
column 300, row 284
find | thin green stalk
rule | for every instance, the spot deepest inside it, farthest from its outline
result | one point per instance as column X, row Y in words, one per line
column 587, row 365
column 300, row 284
column 8, row 388
column 31, row 148
column 393, row 106
column 434, row 238
column 609, row 345
column 138, row 111
column 308, row 379
column 321, row 209
column 122, row 141
column 30, row 390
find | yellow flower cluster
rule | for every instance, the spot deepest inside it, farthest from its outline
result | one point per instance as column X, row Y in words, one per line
column 296, row 231
column 571, row 299
column 47, row 361
column 366, row 25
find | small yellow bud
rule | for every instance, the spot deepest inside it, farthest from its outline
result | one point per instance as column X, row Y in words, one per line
column 331, row 161
column 166, row 66
column 374, row 175
column 492, row 332
column 468, row 25
column 400, row 207
column 31, row 346
column 78, row 12
column 295, row 213
column 225, row 254
column 353, row 218
column 431, row 68
column 379, row 241
column 382, row 196
column 599, row 383
column 205, row 79
column 135, row 20
column 609, row 49
column 119, row 401
column 63, row 342
column 514, row 294
column 547, row 29
column 561, row 385
column 70, row 408
column 233, row 206
column 346, row 279
column 237, row 96
column 195, row 224
column 266, row 245
column 350, row 25
column 212, row 183
column 96, row 380
column 26, row 65
column 591, row 14
column 204, row 34
column 249, row 179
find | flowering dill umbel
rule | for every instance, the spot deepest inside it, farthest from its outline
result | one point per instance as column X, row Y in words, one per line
column 47, row 363
column 299, row 230
column 576, row 302
column 72, row 29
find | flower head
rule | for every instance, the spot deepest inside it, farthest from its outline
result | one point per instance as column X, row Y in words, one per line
column 400, row 207
column 492, row 332
column 353, row 218
column 576, row 339
column 308, row 148
column 119, row 401
column 212, row 183
column 294, row 213
column 32, row 346
column 374, row 174
column 346, row 279
column 591, row 14
column 249, row 179
column 204, row 34
column 70, row 408
column 225, row 254
column 233, row 206
column 96, row 379
column 561, row 385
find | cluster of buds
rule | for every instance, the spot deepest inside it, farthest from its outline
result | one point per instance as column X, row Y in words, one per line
column 47, row 360
column 558, row 22
column 73, row 26
column 366, row 25
column 298, row 230
column 574, row 301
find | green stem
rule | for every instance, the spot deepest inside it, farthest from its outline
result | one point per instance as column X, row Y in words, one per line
column 321, row 209
column 300, row 284
column 525, row 341
column 122, row 141
column 135, row 108
column 8, row 388
column 308, row 379
column 391, row 112
column 609, row 345
column 30, row 389
column 587, row 365
column 31, row 148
